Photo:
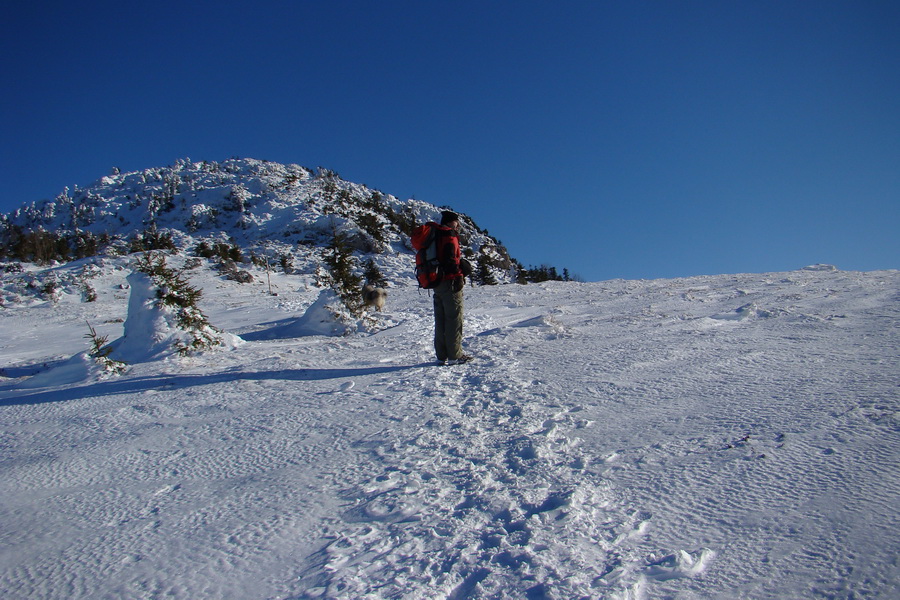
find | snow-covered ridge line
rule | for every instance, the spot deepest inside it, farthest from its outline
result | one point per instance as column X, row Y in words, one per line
column 265, row 208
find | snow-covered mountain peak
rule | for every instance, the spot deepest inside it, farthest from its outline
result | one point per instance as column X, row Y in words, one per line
column 265, row 208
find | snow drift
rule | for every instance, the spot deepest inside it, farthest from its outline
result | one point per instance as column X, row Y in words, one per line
column 152, row 331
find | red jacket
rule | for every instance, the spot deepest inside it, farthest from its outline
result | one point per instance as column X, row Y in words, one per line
column 448, row 251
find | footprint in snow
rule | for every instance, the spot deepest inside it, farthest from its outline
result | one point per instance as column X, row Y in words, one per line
column 679, row 565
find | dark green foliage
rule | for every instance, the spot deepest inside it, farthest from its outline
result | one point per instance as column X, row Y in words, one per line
column 328, row 191
column 171, row 186
column 85, row 244
column 570, row 277
column 98, row 343
column 228, row 255
column 374, row 202
column 483, row 274
column 151, row 239
column 541, row 274
column 39, row 246
column 174, row 289
column 175, row 292
column 100, row 352
column 204, row 250
column 89, row 294
column 233, row 252
column 50, row 290
column 339, row 259
column 42, row 247
column 219, row 250
column 372, row 225
column 287, row 263
column 372, row 274
column 404, row 221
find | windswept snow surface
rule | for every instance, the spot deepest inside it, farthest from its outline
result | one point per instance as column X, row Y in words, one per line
column 712, row 437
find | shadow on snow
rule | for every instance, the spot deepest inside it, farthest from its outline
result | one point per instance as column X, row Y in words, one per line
column 164, row 382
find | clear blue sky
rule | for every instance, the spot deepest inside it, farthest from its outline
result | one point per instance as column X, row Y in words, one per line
column 618, row 139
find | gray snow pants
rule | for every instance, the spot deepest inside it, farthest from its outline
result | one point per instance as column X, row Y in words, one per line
column 448, row 321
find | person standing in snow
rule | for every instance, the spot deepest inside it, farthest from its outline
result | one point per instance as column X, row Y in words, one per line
column 448, row 295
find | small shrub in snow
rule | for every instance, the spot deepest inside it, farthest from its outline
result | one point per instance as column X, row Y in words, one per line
column 51, row 291
column 220, row 250
column 100, row 352
column 151, row 239
column 88, row 293
column 192, row 263
column 287, row 263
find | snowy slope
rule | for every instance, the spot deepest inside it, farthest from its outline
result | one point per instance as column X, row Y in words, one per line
column 711, row 437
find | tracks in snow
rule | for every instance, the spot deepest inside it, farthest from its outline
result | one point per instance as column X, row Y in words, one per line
column 486, row 498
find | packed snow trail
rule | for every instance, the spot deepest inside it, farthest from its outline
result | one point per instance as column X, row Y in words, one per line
column 473, row 498
column 711, row 437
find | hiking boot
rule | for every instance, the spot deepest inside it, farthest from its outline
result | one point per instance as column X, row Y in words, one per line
column 461, row 360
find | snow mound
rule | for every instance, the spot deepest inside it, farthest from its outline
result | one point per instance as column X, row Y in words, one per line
column 77, row 369
column 679, row 565
column 324, row 317
column 319, row 319
column 746, row 312
column 820, row 267
column 151, row 331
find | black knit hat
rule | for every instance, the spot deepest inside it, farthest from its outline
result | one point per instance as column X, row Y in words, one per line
column 448, row 217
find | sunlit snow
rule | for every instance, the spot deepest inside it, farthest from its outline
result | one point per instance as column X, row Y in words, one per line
column 732, row 436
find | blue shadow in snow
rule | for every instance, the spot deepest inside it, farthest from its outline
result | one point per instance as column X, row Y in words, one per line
column 272, row 330
column 158, row 382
